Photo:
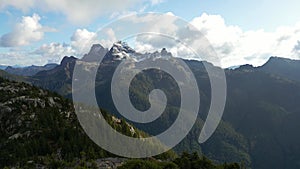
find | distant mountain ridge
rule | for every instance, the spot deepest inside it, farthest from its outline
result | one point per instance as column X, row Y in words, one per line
column 283, row 67
column 2, row 67
column 29, row 70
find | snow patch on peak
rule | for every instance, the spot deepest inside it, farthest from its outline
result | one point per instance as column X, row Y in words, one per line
column 123, row 46
column 121, row 50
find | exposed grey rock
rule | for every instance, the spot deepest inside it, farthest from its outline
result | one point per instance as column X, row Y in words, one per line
column 112, row 163
column 51, row 101
column 5, row 109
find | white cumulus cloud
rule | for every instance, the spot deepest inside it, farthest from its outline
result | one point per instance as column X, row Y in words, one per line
column 232, row 44
column 82, row 40
column 236, row 46
column 54, row 52
column 80, row 43
column 25, row 32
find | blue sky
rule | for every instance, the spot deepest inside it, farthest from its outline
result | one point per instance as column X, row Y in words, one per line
column 38, row 32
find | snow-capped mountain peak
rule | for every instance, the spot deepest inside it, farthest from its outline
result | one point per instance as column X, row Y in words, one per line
column 121, row 50
column 123, row 46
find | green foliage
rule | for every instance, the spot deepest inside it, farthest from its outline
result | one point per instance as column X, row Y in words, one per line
column 140, row 164
column 185, row 161
column 37, row 128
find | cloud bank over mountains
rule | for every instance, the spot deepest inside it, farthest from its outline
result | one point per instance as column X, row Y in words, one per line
column 232, row 44
column 236, row 46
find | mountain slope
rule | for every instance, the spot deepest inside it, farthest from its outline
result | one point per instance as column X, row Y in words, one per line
column 259, row 107
column 283, row 67
column 57, row 79
column 40, row 127
column 6, row 75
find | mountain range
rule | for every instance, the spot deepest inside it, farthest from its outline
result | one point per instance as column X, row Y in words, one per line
column 39, row 129
column 29, row 70
column 260, row 122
